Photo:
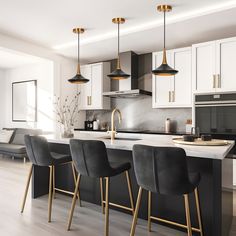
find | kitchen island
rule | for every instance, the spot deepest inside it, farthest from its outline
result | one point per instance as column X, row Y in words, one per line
column 213, row 163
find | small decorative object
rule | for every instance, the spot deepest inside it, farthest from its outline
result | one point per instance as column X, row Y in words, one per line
column 206, row 137
column 188, row 138
column 167, row 125
column 195, row 131
column 67, row 114
column 188, row 126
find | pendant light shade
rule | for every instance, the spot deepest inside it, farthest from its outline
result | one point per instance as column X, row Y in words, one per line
column 118, row 73
column 164, row 69
column 78, row 78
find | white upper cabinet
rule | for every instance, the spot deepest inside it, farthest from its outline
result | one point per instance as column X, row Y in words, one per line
column 173, row 91
column 226, row 64
column 213, row 66
column 91, row 97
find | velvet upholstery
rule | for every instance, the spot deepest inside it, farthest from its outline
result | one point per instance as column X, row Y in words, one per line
column 163, row 170
column 90, row 159
column 39, row 154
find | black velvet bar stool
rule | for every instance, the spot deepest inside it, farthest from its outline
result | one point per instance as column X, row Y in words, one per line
column 90, row 159
column 39, row 154
column 164, row 170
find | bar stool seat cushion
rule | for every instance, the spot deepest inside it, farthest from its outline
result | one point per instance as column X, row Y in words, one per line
column 118, row 168
column 58, row 158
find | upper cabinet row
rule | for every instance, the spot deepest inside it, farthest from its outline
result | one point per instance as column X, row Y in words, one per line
column 91, row 97
column 214, row 66
column 203, row 68
column 173, row 91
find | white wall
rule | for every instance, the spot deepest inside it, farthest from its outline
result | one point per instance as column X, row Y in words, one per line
column 2, row 97
column 51, row 82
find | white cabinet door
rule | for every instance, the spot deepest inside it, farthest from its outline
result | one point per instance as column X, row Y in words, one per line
column 226, row 64
column 204, row 64
column 161, row 85
column 85, row 89
column 182, row 61
column 96, row 86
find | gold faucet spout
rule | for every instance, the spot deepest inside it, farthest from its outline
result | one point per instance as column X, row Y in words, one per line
column 113, row 132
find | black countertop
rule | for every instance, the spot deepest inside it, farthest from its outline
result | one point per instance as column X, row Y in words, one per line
column 136, row 131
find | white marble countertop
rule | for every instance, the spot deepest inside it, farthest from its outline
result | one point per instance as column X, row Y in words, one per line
column 212, row 152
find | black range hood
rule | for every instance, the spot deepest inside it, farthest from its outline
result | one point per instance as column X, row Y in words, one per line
column 128, row 88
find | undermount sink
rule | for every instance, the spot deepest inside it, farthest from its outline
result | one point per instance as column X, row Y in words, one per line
column 119, row 138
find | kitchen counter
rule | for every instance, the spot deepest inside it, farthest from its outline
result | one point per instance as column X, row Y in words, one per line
column 212, row 152
column 213, row 164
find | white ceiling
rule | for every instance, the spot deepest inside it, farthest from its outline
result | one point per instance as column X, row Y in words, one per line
column 12, row 59
column 50, row 23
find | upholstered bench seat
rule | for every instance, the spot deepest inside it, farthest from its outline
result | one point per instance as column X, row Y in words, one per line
column 9, row 148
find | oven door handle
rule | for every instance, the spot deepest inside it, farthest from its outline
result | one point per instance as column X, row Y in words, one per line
column 216, row 105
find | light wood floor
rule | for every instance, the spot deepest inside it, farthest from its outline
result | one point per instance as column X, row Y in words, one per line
column 87, row 221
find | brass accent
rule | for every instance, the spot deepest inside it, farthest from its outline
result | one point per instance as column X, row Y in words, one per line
column 219, row 81
column 119, row 206
column 78, row 69
column 130, row 190
column 214, row 81
column 198, row 211
column 149, row 210
column 107, row 208
column 187, row 212
column 50, row 193
column 102, row 197
column 135, row 217
column 27, row 188
column 174, row 223
column 173, row 96
column 78, row 30
column 118, row 63
column 164, row 60
column 164, row 8
column 113, row 132
column 53, row 181
column 169, row 96
column 87, row 100
column 118, row 20
column 73, row 202
column 74, row 176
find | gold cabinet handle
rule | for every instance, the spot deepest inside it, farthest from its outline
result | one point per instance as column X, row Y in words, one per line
column 214, row 81
column 219, row 81
column 169, row 96
column 87, row 100
column 173, row 96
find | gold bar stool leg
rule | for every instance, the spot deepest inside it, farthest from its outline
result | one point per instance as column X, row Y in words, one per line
column 198, row 211
column 130, row 191
column 187, row 211
column 102, row 197
column 149, row 210
column 27, row 188
column 50, row 193
column 73, row 202
column 107, row 208
column 74, row 175
column 54, row 181
column 135, row 217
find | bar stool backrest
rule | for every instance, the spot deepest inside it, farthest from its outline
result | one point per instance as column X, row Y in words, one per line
column 90, row 157
column 161, row 169
column 38, row 150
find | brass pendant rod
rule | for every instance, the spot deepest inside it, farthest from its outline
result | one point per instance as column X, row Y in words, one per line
column 164, row 60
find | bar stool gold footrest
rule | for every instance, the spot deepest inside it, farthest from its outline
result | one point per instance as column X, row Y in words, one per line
column 119, row 206
column 174, row 223
column 64, row 191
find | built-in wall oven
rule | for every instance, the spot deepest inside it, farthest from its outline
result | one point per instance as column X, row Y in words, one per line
column 216, row 113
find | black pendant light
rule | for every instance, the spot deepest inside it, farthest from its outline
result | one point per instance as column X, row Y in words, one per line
column 118, row 74
column 164, row 69
column 78, row 78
